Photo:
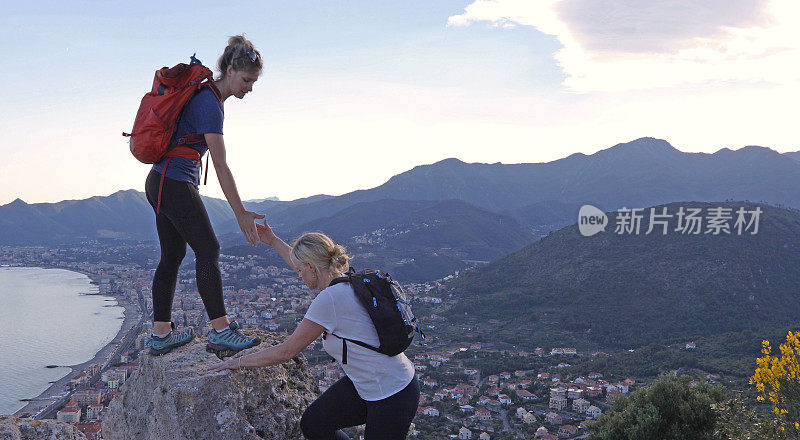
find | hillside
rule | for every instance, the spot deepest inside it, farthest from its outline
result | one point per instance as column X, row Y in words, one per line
column 467, row 231
column 623, row 291
column 415, row 240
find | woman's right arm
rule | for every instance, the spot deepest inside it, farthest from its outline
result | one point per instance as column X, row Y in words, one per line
column 266, row 235
column 305, row 333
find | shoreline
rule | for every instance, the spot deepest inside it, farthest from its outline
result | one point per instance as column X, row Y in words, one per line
column 56, row 389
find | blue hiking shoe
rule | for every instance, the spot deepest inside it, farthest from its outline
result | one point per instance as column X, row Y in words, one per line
column 159, row 346
column 230, row 341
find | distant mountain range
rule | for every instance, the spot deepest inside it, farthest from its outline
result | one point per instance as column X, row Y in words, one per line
column 794, row 155
column 643, row 172
column 628, row 290
column 511, row 204
column 122, row 215
column 271, row 199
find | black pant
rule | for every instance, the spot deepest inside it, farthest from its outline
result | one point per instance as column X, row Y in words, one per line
column 340, row 406
column 183, row 219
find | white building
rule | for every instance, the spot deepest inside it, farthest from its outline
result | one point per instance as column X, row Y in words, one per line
column 430, row 411
column 558, row 403
column 580, row 405
column 593, row 412
column 70, row 414
column 529, row 418
column 93, row 411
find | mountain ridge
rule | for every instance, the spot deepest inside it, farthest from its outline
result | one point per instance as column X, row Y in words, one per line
column 642, row 172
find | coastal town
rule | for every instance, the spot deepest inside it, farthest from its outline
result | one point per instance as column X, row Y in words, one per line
column 469, row 391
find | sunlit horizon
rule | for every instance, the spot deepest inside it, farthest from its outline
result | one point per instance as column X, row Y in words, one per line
column 303, row 196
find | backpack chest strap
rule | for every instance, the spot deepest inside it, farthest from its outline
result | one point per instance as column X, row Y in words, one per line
column 344, row 345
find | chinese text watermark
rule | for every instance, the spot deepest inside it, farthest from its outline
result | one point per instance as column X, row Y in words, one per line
column 688, row 221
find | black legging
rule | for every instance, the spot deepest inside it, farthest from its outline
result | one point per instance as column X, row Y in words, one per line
column 340, row 406
column 183, row 219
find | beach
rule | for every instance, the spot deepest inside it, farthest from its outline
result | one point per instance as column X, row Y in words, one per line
column 132, row 318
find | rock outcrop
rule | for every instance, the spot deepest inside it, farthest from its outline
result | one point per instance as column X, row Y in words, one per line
column 174, row 397
column 13, row 428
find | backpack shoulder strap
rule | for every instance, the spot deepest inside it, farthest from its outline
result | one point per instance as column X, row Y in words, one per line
column 344, row 279
column 347, row 278
column 210, row 84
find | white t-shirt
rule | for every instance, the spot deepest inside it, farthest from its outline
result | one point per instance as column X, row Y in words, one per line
column 375, row 375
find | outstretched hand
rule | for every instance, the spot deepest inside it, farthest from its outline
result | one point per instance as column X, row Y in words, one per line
column 247, row 223
column 265, row 233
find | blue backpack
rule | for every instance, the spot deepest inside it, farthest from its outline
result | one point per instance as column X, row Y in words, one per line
column 388, row 307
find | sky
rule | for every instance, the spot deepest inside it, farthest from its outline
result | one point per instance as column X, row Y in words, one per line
column 354, row 92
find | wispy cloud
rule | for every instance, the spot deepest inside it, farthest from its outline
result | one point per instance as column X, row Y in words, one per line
column 619, row 45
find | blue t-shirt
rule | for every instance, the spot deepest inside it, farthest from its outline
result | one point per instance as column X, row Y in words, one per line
column 202, row 114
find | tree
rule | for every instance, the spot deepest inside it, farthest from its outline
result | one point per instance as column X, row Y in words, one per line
column 739, row 422
column 669, row 409
column 777, row 380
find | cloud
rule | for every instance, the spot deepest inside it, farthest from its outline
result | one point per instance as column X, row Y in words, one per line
column 616, row 45
column 656, row 26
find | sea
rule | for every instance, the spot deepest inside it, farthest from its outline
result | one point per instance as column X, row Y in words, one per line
column 48, row 317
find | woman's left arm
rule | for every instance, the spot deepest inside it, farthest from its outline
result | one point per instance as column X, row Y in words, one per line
column 302, row 337
column 245, row 218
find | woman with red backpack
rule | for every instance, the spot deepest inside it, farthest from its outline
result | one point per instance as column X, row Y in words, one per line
column 181, row 217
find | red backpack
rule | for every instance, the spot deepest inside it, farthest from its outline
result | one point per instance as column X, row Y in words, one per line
column 154, row 127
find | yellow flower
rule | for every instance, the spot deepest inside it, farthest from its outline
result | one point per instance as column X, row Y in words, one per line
column 777, row 379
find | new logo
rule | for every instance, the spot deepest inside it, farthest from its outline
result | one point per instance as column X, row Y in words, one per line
column 591, row 220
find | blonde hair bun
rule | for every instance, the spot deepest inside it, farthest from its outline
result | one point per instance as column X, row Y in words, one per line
column 321, row 251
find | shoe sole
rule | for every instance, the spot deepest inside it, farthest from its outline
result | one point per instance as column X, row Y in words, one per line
column 165, row 350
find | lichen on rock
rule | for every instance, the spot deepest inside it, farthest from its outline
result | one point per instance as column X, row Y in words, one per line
column 174, row 397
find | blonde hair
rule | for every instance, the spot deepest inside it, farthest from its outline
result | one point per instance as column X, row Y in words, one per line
column 237, row 54
column 320, row 250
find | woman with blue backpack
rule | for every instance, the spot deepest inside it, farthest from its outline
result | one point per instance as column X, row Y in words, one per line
column 378, row 389
column 172, row 190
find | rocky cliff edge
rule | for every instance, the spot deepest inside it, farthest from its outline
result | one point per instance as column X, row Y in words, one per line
column 173, row 397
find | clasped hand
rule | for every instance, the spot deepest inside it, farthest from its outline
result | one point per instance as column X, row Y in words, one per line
column 247, row 223
column 265, row 233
